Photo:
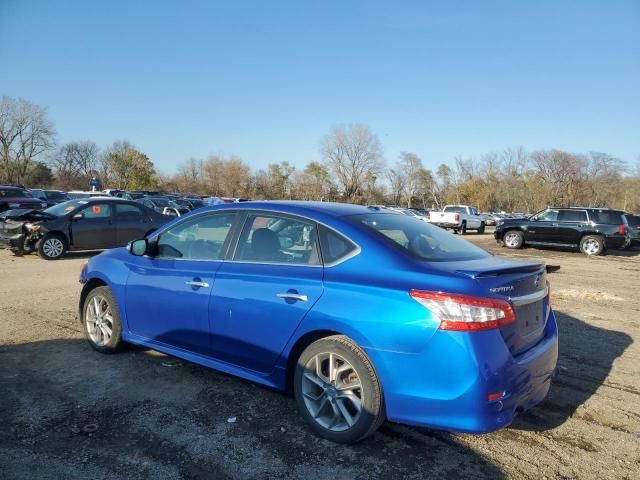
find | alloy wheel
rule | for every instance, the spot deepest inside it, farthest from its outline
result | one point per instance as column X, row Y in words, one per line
column 332, row 392
column 591, row 247
column 53, row 247
column 512, row 240
column 99, row 320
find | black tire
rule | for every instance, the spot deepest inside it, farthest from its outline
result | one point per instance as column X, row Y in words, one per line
column 371, row 414
column 102, row 294
column 463, row 228
column 513, row 239
column 592, row 245
column 481, row 229
column 52, row 246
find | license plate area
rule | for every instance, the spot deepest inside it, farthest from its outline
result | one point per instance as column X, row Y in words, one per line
column 530, row 317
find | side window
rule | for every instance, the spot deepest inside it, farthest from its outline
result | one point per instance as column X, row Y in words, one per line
column 199, row 238
column 97, row 210
column 124, row 210
column 333, row 245
column 606, row 217
column 548, row 216
column 572, row 216
column 277, row 239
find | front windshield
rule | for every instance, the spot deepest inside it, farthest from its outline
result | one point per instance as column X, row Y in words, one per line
column 14, row 193
column 419, row 239
column 65, row 207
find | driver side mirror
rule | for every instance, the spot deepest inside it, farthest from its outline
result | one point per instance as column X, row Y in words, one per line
column 78, row 216
column 139, row 247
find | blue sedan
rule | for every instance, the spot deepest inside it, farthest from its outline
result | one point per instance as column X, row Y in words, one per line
column 364, row 314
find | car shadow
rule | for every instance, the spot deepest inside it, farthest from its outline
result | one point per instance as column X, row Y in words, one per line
column 587, row 354
column 139, row 412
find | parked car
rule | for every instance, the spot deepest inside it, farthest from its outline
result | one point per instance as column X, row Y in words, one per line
column 83, row 224
column 50, row 197
column 634, row 230
column 190, row 203
column 164, row 205
column 460, row 218
column 440, row 333
column 12, row 197
column 591, row 230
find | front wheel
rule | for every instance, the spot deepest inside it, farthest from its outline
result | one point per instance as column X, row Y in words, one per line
column 513, row 239
column 101, row 320
column 51, row 247
column 337, row 390
column 463, row 228
column 481, row 229
column 592, row 245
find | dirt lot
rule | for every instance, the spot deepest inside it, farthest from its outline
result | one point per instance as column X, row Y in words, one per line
column 155, row 416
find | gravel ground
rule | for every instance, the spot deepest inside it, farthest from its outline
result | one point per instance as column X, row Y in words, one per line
column 69, row 412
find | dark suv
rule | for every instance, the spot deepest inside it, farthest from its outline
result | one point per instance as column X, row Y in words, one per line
column 592, row 230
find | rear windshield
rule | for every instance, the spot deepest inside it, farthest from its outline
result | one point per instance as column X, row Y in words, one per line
column 606, row 217
column 14, row 193
column 455, row 209
column 633, row 220
column 419, row 239
column 55, row 195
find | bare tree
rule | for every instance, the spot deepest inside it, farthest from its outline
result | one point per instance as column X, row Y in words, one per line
column 352, row 152
column 25, row 134
column 75, row 163
column 411, row 165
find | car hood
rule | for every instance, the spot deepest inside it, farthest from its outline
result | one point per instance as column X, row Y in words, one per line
column 26, row 214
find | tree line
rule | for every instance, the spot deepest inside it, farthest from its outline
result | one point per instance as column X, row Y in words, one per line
column 351, row 168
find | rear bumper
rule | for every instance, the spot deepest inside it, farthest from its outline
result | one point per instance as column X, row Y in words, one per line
column 446, row 386
column 445, row 224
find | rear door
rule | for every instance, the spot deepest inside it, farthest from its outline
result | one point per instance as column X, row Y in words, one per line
column 262, row 294
column 571, row 223
column 96, row 230
column 131, row 223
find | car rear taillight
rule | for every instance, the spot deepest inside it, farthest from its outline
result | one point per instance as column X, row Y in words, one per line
column 457, row 217
column 622, row 229
column 465, row 313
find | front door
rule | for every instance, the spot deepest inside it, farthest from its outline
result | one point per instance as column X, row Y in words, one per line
column 262, row 294
column 168, row 294
column 95, row 229
column 543, row 227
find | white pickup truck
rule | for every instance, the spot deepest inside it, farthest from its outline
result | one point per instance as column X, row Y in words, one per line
column 458, row 217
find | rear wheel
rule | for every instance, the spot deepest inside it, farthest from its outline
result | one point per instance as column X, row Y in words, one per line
column 463, row 228
column 592, row 245
column 51, row 246
column 513, row 239
column 337, row 390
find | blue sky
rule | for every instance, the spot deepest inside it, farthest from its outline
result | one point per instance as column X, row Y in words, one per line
column 267, row 79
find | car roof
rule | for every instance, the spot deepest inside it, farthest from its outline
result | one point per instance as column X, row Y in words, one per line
column 600, row 209
column 302, row 207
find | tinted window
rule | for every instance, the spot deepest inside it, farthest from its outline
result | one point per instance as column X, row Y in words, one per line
column 455, row 209
column 14, row 193
column 547, row 216
column 198, row 238
column 606, row 217
column 124, row 210
column 276, row 239
column 55, row 195
column 572, row 216
column 66, row 207
column 97, row 210
column 333, row 245
column 418, row 238
column 633, row 220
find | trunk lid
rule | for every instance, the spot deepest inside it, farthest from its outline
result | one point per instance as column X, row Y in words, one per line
column 524, row 284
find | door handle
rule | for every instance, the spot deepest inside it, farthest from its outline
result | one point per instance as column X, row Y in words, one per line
column 197, row 284
column 292, row 296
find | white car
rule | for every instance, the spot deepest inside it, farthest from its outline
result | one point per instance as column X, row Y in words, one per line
column 460, row 218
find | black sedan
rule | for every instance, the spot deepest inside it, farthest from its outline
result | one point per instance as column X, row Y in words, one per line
column 82, row 224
